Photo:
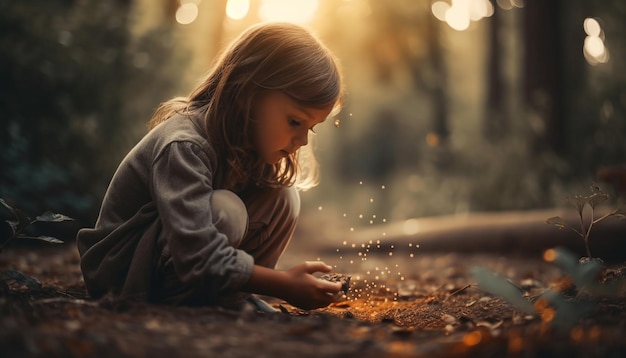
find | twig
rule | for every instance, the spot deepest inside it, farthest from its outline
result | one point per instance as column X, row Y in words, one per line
column 458, row 291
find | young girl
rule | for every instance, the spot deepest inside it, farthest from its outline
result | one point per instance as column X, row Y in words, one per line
column 200, row 210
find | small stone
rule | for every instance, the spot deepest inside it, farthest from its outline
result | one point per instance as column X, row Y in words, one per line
column 338, row 277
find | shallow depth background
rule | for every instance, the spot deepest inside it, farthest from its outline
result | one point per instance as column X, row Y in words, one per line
column 452, row 107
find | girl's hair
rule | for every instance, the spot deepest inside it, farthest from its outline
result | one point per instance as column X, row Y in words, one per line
column 266, row 57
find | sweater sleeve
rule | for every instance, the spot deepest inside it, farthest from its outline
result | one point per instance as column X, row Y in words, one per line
column 182, row 187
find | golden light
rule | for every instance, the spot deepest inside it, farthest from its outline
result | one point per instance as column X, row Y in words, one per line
column 549, row 255
column 411, row 227
column 457, row 18
column 461, row 13
column 301, row 11
column 592, row 27
column 187, row 13
column 472, row 338
column 432, row 139
column 439, row 9
column 593, row 48
column 237, row 9
column 480, row 9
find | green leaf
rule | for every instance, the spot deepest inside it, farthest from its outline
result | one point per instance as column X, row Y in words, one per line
column 19, row 277
column 556, row 221
column 52, row 217
column 49, row 239
column 499, row 286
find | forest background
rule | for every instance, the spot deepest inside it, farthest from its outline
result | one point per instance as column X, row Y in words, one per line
column 497, row 105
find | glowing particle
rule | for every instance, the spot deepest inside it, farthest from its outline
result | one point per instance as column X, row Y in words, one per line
column 411, row 255
column 344, row 243
column 550, row 255
column 371, row 200
column 351, row 229
column 382, row 187
column 337, row 122
column 390, row 253
column 472, row 338
column 319, row 208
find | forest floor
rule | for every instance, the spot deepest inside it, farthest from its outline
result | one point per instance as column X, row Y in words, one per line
column 400, row 304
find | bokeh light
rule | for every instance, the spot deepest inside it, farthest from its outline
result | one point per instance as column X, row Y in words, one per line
column 187, row 13
column 461, row 13
column 594, row 50
column 237, row 9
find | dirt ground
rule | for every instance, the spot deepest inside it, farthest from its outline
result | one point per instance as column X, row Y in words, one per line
column 400, row 304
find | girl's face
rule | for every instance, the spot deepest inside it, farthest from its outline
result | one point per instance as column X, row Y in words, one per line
column 281, row 126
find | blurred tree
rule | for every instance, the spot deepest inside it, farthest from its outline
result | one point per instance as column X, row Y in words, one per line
column 497, row 116
column 65, row 68
column 544, row 55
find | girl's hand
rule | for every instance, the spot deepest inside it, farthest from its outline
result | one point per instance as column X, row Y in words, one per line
column 308, row 292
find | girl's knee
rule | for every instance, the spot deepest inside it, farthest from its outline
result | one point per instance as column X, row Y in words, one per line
column 229, row 215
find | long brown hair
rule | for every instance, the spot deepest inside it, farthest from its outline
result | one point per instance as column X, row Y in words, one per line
column 265, row 57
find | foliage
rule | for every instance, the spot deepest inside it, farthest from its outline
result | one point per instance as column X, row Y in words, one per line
column 580, row 202
column 553, row 306
column 68, row 69
column 21, row 222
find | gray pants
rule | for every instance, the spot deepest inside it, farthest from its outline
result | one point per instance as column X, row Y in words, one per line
column 260, row 223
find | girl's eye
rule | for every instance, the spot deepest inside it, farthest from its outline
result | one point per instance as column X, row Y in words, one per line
column 294, row 122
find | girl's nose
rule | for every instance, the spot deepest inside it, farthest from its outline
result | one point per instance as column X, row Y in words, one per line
column 302, row 139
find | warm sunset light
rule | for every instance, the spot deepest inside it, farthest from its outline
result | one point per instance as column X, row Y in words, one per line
column 187, row 13
column 461, row 13
column 593, row 48
column 237, row 9
column 301, row 11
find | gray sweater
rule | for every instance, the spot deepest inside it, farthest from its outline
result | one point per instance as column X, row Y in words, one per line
column 159, row 196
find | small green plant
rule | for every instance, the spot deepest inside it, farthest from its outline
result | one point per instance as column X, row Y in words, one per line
column 22, row 221
column 580, row 202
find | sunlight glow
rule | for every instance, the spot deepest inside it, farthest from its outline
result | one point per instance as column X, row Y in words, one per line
column 461, row 13
column 301, row 11
column 237, row 9
column 439, row 9
column 549, row 255
column 411, row 227
column 592, row 27
column 593, row 48
column 187, row 13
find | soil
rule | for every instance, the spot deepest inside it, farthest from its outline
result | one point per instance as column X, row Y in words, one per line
column 397, row 306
